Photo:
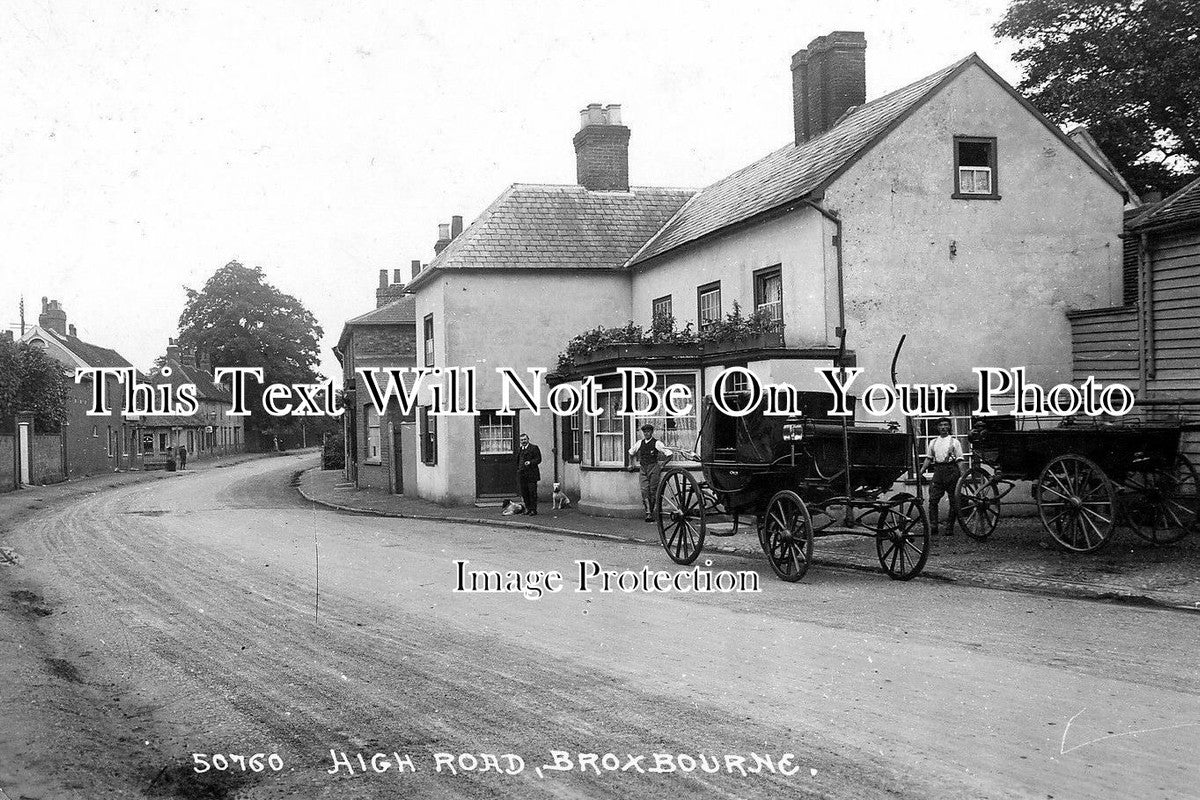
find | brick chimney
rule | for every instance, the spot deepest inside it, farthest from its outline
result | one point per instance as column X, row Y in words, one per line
column 173, row 351
column 443, row 238
column 416, row 267
column 455, row 226
column 388, row 293
column 829, row 77
column 53, row 317
column 602, row 150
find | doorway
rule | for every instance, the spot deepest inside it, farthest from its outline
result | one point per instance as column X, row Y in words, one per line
column 495, row 453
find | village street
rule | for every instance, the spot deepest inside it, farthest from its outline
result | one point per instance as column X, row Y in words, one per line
column 217, row 612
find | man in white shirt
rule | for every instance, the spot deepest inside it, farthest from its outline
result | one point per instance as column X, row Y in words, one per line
column 945, row 455
column 649, row 452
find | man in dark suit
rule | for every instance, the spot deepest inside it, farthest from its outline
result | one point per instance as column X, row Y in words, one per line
column 528, row 458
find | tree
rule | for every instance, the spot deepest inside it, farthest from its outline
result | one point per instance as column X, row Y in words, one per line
column 240, row 320
column 32, row 381
column 1127, row 69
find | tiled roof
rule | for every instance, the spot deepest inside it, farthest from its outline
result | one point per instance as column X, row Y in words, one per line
column 397, row 312
column 92, row 355
column 206, row 388
column 540, row 226
column 792, row 171
column 1183, row 206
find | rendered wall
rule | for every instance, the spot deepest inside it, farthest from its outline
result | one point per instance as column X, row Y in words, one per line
column 973, row 282
column 792, row 241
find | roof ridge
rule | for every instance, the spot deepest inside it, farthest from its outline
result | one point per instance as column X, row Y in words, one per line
column 815, row 145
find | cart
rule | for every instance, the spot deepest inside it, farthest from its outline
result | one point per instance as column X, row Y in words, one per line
column 1087, row 480
column 785, row 472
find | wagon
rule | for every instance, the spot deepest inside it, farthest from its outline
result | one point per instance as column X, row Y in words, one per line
column 1087, row 480
column 797, row 478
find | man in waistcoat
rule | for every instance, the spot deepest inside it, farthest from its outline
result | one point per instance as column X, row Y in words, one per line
column 945, row 454
column 648, row 463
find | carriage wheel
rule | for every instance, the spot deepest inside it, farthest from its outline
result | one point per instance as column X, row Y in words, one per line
column 1167, row 503
column 1077, row 503
column 786, row 536
column 978, row 504
column 902, row 538
column 680, row 516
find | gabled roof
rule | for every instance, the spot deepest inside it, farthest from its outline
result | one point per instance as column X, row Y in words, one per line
column 1181, row 207
column 90, row 354
column 94, row 355
column 537, row 226
column 402, row 311
column 795, row 172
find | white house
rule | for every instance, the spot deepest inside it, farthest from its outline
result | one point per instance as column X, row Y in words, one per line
column 949, row 211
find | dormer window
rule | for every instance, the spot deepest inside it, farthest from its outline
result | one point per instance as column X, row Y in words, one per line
column 975, row 168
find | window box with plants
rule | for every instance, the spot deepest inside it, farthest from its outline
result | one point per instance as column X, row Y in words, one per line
column 663, row 340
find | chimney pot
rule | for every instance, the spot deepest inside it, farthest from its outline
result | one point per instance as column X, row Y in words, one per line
column 456, row 226
column 71, row 328
column 383, row 282
column 416, row 267
column 444, row 230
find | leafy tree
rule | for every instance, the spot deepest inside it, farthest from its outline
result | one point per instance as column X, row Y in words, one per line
column 30, row 380
column 1127, row 69
column 240, row 320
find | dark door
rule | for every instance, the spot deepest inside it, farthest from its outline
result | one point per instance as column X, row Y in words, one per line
column 495, row 454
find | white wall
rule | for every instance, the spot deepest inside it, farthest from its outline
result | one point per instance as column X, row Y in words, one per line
column 1049, row 245
column 793, row 241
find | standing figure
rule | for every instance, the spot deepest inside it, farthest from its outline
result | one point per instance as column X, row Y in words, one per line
column 182, row 457
column 945, row 454
column 649, row 467
column 528, row 459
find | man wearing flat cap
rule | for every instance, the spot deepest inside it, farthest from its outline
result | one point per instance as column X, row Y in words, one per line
column 945, row 454
column 647, row 462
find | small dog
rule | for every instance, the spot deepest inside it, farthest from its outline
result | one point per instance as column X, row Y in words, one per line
column 510, row 507
column 559, row 497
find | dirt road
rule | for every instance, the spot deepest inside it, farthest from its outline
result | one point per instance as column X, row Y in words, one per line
column 217, row 613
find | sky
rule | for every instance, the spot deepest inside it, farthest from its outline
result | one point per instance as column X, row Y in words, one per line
column 145, row 145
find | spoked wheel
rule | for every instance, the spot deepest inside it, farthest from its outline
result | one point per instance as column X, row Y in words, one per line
column 902, row 538
column 1165, row 503
column 680, row 516
column 786, row 536
column 978, row 503
column 1077, row 503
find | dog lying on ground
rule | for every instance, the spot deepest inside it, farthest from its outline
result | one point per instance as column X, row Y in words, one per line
column 560, row 497
column 510, row 507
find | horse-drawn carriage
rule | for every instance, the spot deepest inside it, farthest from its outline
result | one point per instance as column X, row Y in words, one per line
column 1086, row 480
column 782, row 472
